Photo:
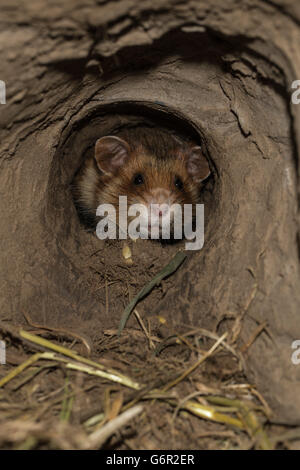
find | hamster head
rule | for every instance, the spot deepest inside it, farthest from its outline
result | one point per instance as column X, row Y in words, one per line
column 161, row 181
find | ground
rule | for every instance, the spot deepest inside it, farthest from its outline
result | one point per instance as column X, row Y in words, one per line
column 174, row 371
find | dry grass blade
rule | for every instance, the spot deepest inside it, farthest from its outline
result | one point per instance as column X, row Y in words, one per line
column 140, row 320
column 113, row 377
column 233, row 413
column 67, row 403
column 62, row 332
column 194, row 366
column 110, row 374
column 248, row 417
column 11, row 375
column 166, row 271
column 208, row 412
column 100, row 436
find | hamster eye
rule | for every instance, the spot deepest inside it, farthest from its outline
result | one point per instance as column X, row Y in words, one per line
column 138, row 179
column 178, row 183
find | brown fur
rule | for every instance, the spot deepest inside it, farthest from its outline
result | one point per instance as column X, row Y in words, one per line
column 158, row 155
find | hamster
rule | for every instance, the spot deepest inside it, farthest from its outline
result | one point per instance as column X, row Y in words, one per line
column 149, row 166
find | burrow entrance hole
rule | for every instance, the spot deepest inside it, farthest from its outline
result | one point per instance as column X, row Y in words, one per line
column 100, row 265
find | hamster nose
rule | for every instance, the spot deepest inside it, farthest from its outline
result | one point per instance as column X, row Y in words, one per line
column 160, row 211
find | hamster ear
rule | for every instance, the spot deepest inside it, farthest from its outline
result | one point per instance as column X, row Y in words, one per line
column 111, row 154
column 197, row 165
